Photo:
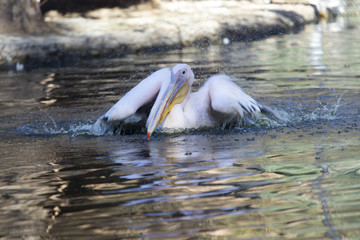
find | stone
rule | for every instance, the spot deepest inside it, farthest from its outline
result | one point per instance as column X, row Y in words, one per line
column 173, row 25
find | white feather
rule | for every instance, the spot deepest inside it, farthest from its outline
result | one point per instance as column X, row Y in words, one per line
column 219, row 101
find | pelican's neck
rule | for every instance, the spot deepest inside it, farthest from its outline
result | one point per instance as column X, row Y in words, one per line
column 186, row 99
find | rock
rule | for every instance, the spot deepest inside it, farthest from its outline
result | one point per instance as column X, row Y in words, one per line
column 174, row 25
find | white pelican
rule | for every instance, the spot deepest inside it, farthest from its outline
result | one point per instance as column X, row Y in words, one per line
column 219, row 101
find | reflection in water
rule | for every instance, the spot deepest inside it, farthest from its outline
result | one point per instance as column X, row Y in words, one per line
column 264, row 181
column 193, row 186
column 316, row 54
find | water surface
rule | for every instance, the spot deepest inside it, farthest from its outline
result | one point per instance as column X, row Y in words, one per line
column 295, row 180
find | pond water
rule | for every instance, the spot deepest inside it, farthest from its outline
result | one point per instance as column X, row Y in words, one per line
column 296, row 180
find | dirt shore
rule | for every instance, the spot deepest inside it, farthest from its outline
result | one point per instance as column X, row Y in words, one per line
column 117, row 32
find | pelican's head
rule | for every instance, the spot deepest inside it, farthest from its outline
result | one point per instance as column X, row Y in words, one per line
column 179, row 86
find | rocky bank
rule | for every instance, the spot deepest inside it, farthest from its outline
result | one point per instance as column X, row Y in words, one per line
column 117, row 32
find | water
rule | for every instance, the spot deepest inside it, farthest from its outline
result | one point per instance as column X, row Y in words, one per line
column 299, row 180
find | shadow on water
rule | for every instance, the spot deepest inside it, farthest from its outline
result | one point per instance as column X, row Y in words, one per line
column 294, row 180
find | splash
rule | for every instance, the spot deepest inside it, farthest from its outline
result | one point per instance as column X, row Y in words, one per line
column 136, row 125
column 323, row 111
column 55, row 129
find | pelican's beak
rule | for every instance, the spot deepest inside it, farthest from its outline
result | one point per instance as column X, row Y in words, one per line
column 175, row 93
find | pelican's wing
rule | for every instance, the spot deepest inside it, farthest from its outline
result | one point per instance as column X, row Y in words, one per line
column 139, row 96
column 228, row 98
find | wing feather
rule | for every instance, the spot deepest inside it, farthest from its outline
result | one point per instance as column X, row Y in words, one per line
column 139, row 96
column 228, row 98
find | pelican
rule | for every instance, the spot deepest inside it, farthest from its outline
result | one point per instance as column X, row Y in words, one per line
column 217, row 102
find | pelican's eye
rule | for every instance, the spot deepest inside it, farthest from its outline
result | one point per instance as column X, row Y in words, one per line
column 183, row 72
